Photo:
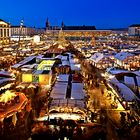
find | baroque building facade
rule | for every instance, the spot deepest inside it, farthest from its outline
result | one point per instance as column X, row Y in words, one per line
column 5, row 32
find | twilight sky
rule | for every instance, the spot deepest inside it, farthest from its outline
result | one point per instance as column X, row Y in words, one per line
column 101, row 13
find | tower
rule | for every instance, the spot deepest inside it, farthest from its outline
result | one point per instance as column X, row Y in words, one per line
column 61, row 37
column 62, row 25
column 47, row 24
column 21, row 23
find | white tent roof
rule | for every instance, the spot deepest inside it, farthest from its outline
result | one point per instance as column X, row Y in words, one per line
column 77, row 91
column 96, row 57
column 75, row 66
column 59, row 56
column 65, row 62
column 6, row 80
column 117, row 71
column 138, row 80
column 63, row 77
column 17, row 65
column 122, row 55
column 59, row 90
column 68, row 106
column 129, row 80
column 40, row 56
column 114, row 80
column 137, row 73
column 64, row 58
column 23, row 62
column 68, row 103
column 73, row 60
column 126, row 93
column 5, row 73
column 29, row 66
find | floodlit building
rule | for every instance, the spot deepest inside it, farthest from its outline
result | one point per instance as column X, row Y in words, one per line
column 75, row 32
column 25, row 31
column 5, row 31
column 134, row 31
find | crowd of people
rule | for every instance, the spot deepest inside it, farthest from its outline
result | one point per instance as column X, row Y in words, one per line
column 67, row 131
column 7, row 61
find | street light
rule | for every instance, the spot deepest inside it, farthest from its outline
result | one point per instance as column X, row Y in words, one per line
column 20, row 31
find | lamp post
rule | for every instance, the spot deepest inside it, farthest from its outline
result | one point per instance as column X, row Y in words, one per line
column 20, row 33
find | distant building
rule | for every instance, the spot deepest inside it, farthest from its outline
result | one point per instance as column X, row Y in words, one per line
column 79, row 28
column 120, row 31
column 134, row 31
column 25, row 31
column 5, row 32
column 75, row 32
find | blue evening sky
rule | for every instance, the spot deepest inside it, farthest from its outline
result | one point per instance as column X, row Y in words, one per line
column 101, row 13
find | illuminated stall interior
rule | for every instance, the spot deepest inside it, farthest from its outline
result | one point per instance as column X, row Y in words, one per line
column 11, row 102
column 66, row 109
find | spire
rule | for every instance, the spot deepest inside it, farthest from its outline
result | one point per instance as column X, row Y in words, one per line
column 22, row 23
column 62, row 25
column 47, row 24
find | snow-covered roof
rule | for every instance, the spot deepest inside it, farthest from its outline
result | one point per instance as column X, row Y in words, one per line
column 69, row 54
column 26, row 60
column 77, row 91
column 137, row 73
column 117, row 71
column 96, row 57
column 49, row 58
column 59, row 56
column 126, row 92
column 67, row 102
column 138, row 80
column 17, row 65
column 63, row 77
column 64, row 58
column 40, row 56
column 29, row 66
column 36, row 72
column 114, row 80
column 59, row 90
column 122, row 55
column 5, row 73
column 73, row 60
column 65, row 62
column 75, row 66
column 3, row 80
column 129, row 80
